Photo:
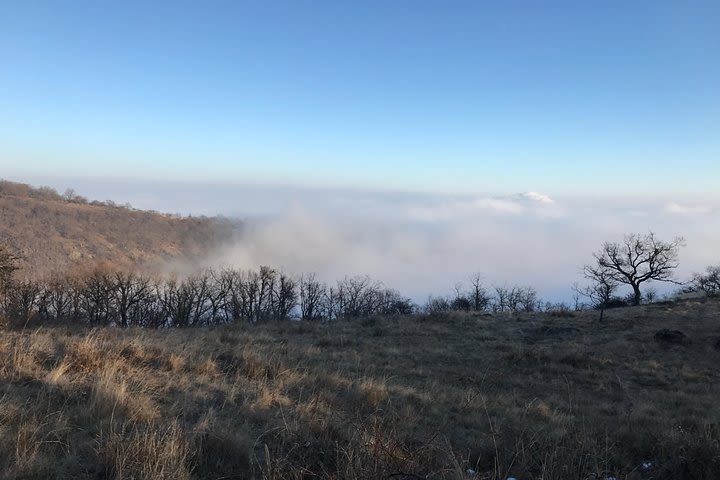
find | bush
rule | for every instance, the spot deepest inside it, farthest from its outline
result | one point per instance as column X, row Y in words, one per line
column 437, row 305
column 615, row 302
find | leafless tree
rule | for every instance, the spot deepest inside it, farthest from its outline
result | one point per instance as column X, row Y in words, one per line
column 527, row 299
column 241, row 296
column 264, row 307
column 200, row 289
column 636, row 260
column 601, row 288
column 127, row 291
column 218, row 296
column 21, row 301
column 97, row 297
column 312, row 293
column 708, row 282
column 514, row 299
column 393, row 303
column 478, row 294
column 461, row 300
column 176, row 300
column 284, row 296
column 502, row 299
column 437, row 305
column 331, row 304
column 56, row 299
column 358, row 296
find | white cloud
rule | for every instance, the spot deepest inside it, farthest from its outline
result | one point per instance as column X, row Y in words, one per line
column 677, row 208
column 537, row 197
column 521, row 203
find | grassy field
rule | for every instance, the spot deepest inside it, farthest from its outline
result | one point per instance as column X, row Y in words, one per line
column 460, row 396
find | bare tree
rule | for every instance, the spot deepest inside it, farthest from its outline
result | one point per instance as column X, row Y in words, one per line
column 264, row 285
column 128, row 290
column 312, row 293
column 527, row 299
column 393, row 303
column 97, row 297
column 437, row 305
column 57, row 299
column 358, row 296
column 636, row 260
column 21, row 301
column 478, row 294
column 69, row 194
column 601, row 289
column 242, row 290
column 461, row 300
column 218, row 296
column 177, row 302
column 284, row 296
column 502, row 299
column 708, row 282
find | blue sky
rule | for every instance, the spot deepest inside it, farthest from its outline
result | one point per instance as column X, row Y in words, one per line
column 503, row 97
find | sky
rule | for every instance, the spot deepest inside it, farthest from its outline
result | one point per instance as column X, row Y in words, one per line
column 402, row 95
column 415, row 141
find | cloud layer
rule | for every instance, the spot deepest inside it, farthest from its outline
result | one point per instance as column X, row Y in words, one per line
column 425, row 243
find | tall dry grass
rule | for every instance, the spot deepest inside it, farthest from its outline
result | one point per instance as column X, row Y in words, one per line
column 534, row 396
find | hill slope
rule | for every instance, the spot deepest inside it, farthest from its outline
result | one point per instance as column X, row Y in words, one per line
column 460, row 396
column 54, row 232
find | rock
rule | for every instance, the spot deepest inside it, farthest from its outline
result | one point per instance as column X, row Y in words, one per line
column 669, row 336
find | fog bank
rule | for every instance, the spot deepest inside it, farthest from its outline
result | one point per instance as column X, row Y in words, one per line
column 423, row 243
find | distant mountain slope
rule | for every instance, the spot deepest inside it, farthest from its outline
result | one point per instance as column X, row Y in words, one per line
column 53, row 231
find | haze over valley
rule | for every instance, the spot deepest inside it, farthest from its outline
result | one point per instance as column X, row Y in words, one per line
column 419, row 243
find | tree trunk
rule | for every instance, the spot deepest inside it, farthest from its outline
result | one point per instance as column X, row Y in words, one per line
column 638, row 296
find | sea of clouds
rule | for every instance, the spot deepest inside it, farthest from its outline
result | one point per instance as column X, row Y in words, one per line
column 422, row 243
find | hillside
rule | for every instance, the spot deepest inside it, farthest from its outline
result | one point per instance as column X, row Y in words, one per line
column 455, row 396
column 54, row 232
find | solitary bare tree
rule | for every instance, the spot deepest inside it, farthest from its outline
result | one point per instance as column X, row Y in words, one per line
column 601, row 289
column 479, row 296
column 636, row 260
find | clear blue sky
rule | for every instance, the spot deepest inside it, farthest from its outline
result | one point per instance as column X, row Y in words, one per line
column 412, row 95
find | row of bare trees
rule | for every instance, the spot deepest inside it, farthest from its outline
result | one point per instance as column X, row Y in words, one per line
column 211, row 297
column 477, row 297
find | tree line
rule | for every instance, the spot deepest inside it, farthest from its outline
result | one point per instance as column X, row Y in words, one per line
column 104, row 296
column 210, row 297
column 124, row 298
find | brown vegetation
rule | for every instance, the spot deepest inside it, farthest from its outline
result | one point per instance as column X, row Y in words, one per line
column 456, row 396
column 53, row 232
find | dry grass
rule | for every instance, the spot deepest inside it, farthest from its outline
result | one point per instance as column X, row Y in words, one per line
column 449, row 397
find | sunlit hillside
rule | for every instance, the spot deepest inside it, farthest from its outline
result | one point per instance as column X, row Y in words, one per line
column 53, row 232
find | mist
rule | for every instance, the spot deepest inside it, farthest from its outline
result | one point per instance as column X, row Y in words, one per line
column 424, row 243
column 427, row 247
